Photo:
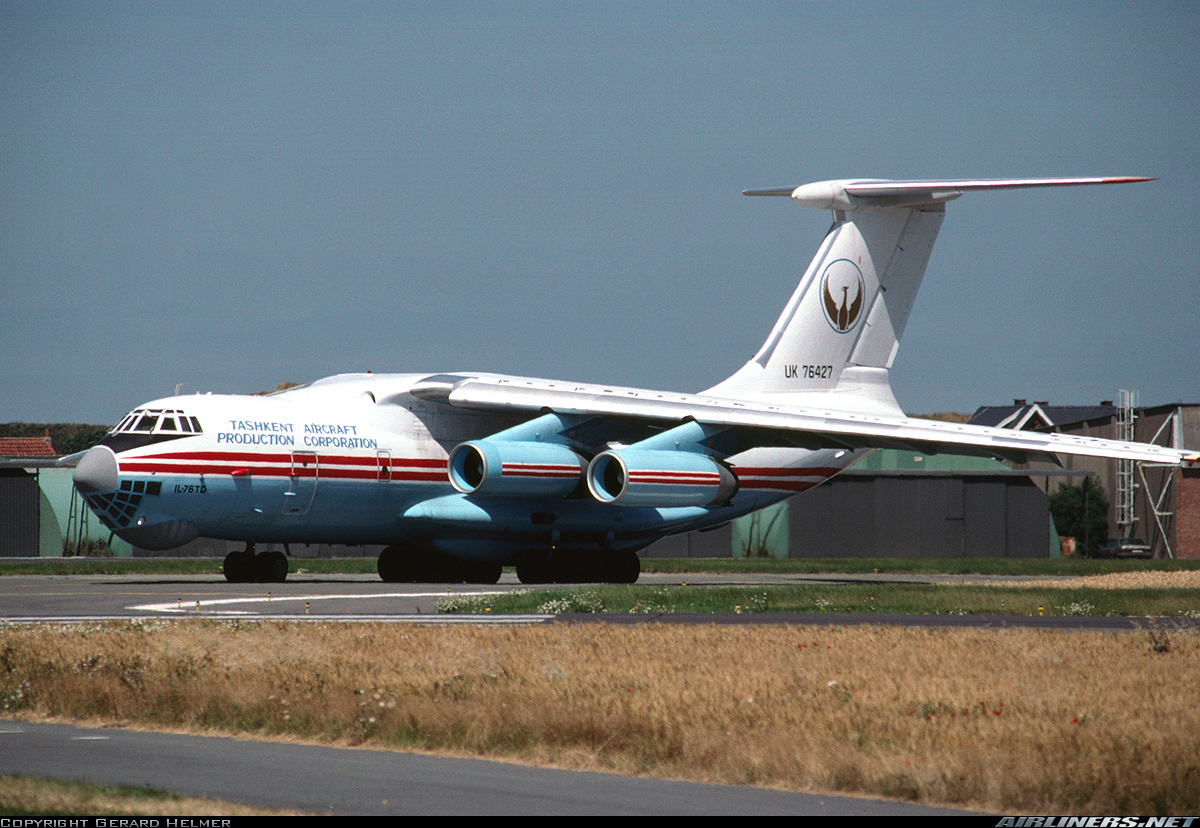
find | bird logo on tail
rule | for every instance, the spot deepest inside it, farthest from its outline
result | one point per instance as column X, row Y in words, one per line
column 842, row 294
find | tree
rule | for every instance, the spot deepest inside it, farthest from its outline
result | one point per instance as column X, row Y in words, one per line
column 67, row 438
column 1080, row 510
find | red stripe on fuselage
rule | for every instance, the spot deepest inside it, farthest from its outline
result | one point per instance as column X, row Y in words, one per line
column 324, row 459
column 331, row 466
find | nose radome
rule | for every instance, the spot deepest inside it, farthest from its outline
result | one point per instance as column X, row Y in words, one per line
column 97, row 471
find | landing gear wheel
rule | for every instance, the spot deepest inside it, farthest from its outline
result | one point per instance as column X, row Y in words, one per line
column 533, row 567
column 245, row 567
column 395, row 566
column 272, row 567
column 409, row 565
column 239, row 567
column 477, row 572
column 574, row 567
column 623, row 567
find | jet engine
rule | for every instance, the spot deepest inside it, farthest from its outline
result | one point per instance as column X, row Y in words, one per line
column 639, row 477
column 513, row 469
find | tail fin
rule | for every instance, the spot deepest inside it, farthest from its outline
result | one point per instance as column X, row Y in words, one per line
column 840, row 331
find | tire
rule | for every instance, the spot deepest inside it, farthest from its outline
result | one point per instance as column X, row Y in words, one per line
column 483, row 573
column 533, row 567
column 272, row 567
column 624, row 568
column 238, row 567
column 395, row 566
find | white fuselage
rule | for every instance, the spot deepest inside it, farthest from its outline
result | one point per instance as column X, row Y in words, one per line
column 357, row 459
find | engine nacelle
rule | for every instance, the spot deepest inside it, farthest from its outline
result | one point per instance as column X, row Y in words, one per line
column 637, row 477
column 511, row 469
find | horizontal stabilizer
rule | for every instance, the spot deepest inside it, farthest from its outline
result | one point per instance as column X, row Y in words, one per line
column 858, row 194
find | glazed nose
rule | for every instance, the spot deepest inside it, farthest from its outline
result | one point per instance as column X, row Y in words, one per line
column 97, row 471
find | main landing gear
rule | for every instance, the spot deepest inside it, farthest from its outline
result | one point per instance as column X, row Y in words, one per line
column 246, row 567
column 579, row 566
column 425, row 565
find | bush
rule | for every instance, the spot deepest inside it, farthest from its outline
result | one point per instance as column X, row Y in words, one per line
column 1081, row 511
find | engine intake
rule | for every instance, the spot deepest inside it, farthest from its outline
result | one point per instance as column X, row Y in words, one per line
column 637, row 477
column 511, row 469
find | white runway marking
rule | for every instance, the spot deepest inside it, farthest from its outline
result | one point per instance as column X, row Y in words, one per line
column 193, row 606
column 423, row 618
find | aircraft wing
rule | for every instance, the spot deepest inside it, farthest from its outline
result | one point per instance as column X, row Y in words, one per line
column 803, row 426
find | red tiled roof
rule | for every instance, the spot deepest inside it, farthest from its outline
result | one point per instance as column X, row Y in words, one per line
column 26, row 447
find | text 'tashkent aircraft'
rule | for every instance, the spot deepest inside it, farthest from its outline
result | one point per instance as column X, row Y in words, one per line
column 458, row 474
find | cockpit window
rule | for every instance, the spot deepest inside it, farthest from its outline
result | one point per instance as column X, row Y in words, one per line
column 148, row 426
column 158, row 421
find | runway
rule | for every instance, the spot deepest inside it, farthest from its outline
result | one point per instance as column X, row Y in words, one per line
column 326, row 780
column 82, row 598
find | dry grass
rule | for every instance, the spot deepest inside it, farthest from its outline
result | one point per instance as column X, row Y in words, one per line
column 1181, row 579
column 1037, row 721
column 20, row 796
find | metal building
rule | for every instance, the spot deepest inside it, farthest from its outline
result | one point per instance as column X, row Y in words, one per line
column 25, row 514
column 1156, row 503
column 893, row 504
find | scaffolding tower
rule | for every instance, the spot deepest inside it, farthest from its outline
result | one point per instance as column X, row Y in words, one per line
column 1126, row 486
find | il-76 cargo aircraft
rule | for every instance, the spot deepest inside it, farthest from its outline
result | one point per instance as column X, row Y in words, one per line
column 457, row 474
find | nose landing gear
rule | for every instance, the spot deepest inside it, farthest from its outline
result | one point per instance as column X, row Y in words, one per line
column 246, row 567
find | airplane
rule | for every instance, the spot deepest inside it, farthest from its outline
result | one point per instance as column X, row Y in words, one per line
column 459, row 474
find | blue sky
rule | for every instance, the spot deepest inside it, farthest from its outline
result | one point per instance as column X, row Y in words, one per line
column 225, row 195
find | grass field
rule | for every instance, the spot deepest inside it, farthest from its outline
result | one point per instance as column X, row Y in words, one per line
column 1033, row 721
column 42, row 798
column 1019, row 720
column 1166, row 595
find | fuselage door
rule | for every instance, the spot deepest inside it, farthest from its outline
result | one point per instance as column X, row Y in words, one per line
column 302, row 484
column 384, row 460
